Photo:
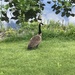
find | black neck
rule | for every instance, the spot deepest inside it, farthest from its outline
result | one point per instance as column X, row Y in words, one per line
column 39, row 32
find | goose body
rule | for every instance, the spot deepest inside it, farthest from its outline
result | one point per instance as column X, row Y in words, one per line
column 35, row 40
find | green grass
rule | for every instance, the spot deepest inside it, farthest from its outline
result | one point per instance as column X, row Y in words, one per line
column 52, row 57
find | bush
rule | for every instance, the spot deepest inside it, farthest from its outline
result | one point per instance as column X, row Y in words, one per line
column 53, row 30
column 70, row 30
column 10, row 32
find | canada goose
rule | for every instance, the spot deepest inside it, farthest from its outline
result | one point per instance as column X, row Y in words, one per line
column 35, row 40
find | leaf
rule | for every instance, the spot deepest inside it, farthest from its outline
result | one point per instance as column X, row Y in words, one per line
column 42, row 4
column 6, row 6
column 69, row 9
column 57, row 12
column 10, row 4
column 42, row 8
column 63, row 14
column 17, row 22
column 58, row 7
column 6, row 0
column 16, row 13
column 4, row 13
column 72, row 15
column 63, row 2
column 67, row 14
column 5, row 19
column 10, row 9
column 49, row 2
column 54, row 9
column 14, row 18
column 54, row 6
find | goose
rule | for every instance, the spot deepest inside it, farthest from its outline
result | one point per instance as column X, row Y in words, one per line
column 35, row 40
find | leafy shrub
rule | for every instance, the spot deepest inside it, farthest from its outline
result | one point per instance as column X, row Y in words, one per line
column 70, row 30
column 10, row 32
column 53, row 30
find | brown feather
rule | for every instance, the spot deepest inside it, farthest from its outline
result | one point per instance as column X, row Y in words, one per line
column 34, row 41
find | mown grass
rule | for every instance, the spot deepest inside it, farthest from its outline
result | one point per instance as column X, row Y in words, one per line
column 52, row 57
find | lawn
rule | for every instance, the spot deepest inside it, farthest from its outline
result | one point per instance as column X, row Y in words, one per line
column 52, row 57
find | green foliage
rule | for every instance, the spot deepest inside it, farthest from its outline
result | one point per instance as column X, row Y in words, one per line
column 53, row 30
column 25, row 9
column 10, row 32
column 2, row 30
column 64, row 7
column 22, row 11
column 57, row 30
column 71, row 31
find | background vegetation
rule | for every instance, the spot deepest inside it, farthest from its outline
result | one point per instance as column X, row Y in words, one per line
column 52, row 57
column 52, row 30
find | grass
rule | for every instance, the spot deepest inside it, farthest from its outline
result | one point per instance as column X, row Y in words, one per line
column 52, row 57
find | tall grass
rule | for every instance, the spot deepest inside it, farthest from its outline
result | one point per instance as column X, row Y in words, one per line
column 52, row 30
